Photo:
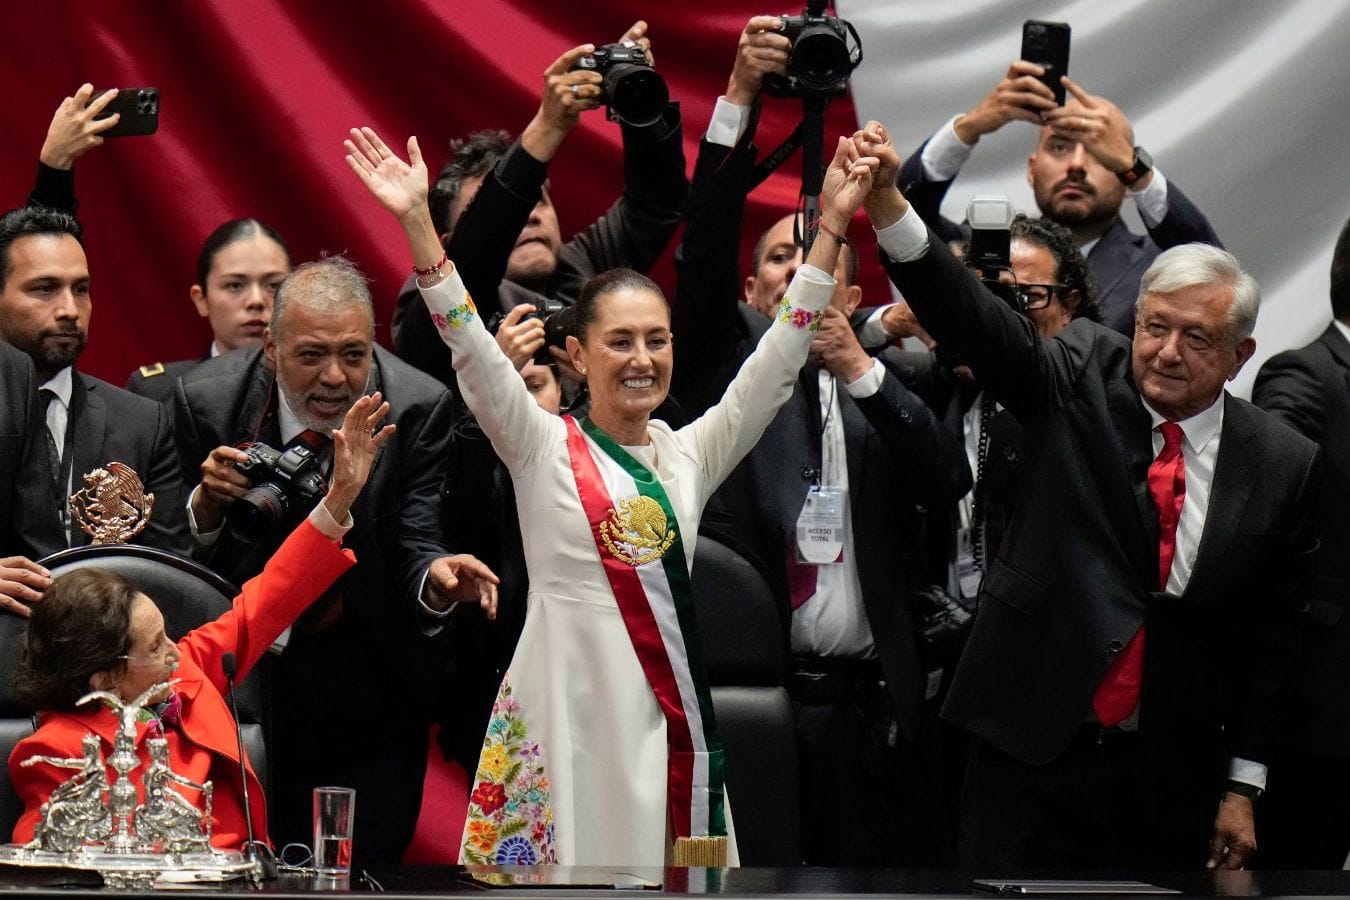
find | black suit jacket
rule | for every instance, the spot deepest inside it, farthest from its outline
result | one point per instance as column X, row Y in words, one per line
column 109, row 424
column 899, row 455
column 1309, row 388
column 1118, row 259
column 28, row 522
column 633, row 233
column 230, row 400
column 1076, row 575
column 159, row 384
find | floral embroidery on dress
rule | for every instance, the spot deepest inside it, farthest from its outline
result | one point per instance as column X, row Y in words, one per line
column 455, row 316
column 510, row 819
column 799, row 318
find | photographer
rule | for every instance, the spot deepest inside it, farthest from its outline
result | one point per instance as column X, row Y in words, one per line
column 337, row 718
column 1083, row 166
column 496, row 218
column 853, row 428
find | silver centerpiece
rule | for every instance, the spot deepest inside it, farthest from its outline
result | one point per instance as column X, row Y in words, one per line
column 89, row 822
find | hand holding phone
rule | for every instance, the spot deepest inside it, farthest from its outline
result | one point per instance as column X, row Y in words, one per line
column 1047, row 45
column 138, row 108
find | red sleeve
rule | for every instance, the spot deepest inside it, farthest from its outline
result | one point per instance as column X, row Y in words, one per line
column 34, row 784
column 299, row 572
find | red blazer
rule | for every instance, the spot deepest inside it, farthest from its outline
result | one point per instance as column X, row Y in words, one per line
column 205, row 748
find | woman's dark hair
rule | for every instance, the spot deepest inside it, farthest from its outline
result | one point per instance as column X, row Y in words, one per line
column 1071, row 267
column 81, row 627
column 607, row 282
column 231, row 231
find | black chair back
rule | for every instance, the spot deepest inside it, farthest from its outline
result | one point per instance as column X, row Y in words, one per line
column 743, row 625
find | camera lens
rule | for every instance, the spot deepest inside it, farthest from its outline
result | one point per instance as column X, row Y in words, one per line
column 820, row 58
column 257, row 513
column 637, row 95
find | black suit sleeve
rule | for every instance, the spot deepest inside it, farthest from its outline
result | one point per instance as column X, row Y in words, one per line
column 931, row 460
column 706, row 319
column 168, row 528
column 1289, row 388
column 29, row 526
column 424, row 454
column 636, row 229
column 54, row 189
column 1183, row 224
column 927, row 196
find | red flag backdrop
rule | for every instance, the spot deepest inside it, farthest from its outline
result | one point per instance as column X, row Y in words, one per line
column 257, row 97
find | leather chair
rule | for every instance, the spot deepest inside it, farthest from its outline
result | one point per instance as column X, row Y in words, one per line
column 186, row 592
column 744, row 628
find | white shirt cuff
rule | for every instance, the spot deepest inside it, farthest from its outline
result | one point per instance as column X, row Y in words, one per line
column 202, row 538
column 871, row 333
column 1247, row 772
column 426, row 608
column 728, row 123
column 1152, row 200
column 868, row 383
column 904, row 240
column 329, row 527
column 945, row 153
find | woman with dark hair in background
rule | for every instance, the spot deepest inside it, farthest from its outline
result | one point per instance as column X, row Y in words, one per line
column 238, row 269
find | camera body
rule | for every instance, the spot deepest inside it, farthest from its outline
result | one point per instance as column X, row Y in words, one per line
column 280, row 482
column 634, row 92
column 558, row 319
column 821, row 58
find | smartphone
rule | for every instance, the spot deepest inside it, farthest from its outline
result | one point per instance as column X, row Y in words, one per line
column 139, row 108
column 1047, row 44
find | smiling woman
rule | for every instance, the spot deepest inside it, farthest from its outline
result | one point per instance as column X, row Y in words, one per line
column 602, row 748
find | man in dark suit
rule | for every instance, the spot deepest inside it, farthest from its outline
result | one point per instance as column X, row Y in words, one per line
column 851, row 431
column 1084, row 164
column 501, row 228
column 29, row 527
column 1140, row 621
column 1309, row 388
column 44, row 310
column 362, row 667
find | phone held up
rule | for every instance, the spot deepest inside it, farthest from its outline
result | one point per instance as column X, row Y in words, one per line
column 1047, row 45
column 139, row 108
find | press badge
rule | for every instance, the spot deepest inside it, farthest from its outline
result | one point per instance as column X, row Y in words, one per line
column 820, row 527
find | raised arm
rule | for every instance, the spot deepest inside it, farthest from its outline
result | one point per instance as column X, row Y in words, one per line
column 488, row 381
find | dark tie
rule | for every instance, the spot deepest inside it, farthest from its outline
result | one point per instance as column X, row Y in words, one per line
column 1119, row 691
column 53, row 452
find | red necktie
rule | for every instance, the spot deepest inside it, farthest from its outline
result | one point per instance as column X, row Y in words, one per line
column 1119, row 691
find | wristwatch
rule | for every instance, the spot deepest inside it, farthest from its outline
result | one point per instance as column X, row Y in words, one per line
column 1143, row 164
column 1243, row 789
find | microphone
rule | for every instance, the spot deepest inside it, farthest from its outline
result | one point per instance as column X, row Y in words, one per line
column 230, row 665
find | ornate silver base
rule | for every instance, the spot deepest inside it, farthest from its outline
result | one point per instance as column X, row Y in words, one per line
column 137, row 870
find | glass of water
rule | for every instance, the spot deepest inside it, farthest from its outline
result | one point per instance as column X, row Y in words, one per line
column 334, row 808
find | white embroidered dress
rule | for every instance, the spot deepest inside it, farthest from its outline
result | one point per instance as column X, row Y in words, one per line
column 574, row 764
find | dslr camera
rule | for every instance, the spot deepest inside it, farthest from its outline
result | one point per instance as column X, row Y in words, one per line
column 825, row 51
column 559, row 320
column 632, row 90
column 280, row 483
column 990, row 218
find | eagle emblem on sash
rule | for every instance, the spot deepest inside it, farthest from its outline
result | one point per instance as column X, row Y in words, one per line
column 637, row 532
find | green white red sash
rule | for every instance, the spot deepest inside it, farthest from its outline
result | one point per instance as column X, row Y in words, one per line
column 638, row 539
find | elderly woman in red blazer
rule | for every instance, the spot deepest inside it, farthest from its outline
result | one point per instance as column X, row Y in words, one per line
column 94, row 631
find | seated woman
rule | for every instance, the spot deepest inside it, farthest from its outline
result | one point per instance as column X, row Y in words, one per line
column 93, row 631
column 602, row 747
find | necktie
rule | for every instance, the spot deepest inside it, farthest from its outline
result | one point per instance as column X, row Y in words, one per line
column 53, row 451
column 1119, row 691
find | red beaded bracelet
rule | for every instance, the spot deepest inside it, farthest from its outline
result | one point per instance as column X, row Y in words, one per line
column 839, row 239
column 431, row 270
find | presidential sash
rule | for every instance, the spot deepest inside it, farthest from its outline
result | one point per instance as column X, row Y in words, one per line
column 638, row 539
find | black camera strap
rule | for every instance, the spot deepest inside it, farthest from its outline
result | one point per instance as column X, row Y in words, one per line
column 769, row 164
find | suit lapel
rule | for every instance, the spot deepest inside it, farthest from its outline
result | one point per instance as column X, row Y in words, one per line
column 1114, row 256
column 1339, row 348
column 88, row 426
column 376, row 472
column 1136, row 453
column 1234, row 473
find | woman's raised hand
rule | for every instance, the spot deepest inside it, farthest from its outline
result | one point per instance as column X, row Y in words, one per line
column 848, row 178
column 401, row 187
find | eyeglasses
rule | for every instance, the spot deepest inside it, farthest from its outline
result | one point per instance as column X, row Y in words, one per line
column 1036, row 296
column 159, row 661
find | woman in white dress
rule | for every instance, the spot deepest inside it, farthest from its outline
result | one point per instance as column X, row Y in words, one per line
column 602, row 749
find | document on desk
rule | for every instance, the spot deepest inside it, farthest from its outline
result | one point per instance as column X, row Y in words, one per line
column 1077, row 888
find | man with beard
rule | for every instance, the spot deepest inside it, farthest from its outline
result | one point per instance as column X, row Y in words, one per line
column 337, row 721
column 1084, row 164
column 45, row 309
